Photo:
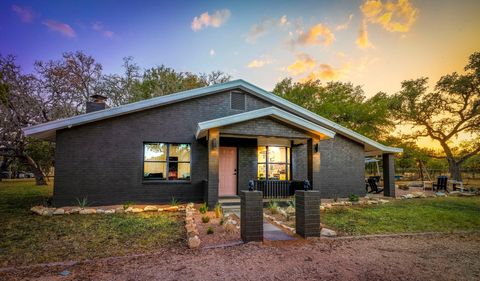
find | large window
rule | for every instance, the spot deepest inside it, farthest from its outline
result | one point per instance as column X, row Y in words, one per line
column 166, row 161
column 273, row 163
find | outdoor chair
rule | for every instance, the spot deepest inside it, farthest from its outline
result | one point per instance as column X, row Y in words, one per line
column 372, row 182
column 442, row 182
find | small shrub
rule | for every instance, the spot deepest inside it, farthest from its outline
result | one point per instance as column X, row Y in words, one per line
column 291, row 203
column 210, row 230
column 273, row 207
column 353, row 198
column 205, row 219
column 127, row 204
column 203, row 209
column 335, row 197
column 222, row 221
column 82, row 203
column 218, row 210
column 173, row 201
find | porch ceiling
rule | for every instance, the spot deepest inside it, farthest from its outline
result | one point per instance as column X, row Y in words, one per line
column 273, row 112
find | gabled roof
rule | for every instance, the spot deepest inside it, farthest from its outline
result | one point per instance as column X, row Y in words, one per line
column 48, row 130
column 274, row 112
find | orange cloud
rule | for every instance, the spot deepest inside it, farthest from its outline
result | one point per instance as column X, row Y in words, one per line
column 258, row 63
column 394, row 17
column 303, row 64
column 317, row 35
column 214, row 20
column 362, row 39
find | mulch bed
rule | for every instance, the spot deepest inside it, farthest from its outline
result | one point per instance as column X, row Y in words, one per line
column 220, row 235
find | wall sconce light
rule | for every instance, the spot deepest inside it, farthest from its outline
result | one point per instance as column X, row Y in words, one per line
column 214, row 143
column 315, row 147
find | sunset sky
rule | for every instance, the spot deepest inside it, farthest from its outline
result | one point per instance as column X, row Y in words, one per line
column 376, row 44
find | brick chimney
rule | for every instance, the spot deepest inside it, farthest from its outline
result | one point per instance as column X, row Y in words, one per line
column 98, row 103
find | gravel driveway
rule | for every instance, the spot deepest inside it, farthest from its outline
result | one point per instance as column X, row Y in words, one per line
column 418, row 257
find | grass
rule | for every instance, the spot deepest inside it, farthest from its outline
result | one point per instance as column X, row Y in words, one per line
column 416, row 215
column 26, row 238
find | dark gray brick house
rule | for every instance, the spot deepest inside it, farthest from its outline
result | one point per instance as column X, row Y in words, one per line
column 205, row 144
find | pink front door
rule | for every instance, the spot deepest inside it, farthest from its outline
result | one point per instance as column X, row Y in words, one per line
column 227, row 171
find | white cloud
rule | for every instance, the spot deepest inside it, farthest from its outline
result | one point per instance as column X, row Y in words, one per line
column 216, row 19
column 318, row 34
column 258, row 63
column 344, row 25
column 212, row 52
column 394, row 17
column 99, row 27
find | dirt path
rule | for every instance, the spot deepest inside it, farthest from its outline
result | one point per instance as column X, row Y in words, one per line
column 429, row 257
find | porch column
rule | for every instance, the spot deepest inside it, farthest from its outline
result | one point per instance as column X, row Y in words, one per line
column 213, row 154
column 314, row 159
column 388, row 175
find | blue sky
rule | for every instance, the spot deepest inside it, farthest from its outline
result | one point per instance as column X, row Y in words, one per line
column 373, row 44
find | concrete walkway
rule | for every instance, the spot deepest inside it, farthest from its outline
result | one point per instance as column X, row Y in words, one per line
column 274, row 233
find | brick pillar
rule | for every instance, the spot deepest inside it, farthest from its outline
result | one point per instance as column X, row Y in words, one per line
column 251, row 215
column 388, row 175
column 307, row 213
column 213, row 154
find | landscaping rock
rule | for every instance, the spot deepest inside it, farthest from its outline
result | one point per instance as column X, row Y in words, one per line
column 75, row 210
column 322, row 208
column 137, row 210
column 110, row 211
column 87, row 211
column 119, row 210
column 383, row 201
column 290, row 210
column 440, row 194
column 150, row 209
column 37, row 210
column 171, row 209
column 129, row 210
column 419, row 194
column 59, row 211
column 47, row 212
column 100, row 211
column 407, row 196
column 194, row 242
column 327, row 232
column 466, row 194
column 229, row 227
column 403, row 187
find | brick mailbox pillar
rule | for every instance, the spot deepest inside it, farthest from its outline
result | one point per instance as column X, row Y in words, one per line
column 307, row 213
column 251, row 216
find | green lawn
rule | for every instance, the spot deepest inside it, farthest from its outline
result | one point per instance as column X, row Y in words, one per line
column 26, row 238
column 415, row 215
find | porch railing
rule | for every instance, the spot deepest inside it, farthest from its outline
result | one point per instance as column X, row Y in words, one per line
column 274, row 188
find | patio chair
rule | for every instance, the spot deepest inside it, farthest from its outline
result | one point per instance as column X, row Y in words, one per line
column 442, row 182
column 372, row 182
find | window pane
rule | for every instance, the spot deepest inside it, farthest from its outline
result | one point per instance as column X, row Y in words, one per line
column 262, row 171
column 155, row 152
column 179, row 152
column 262, row 154
column 277, row 172
column 288, row 155
column 154, row 170
column 277, row 154
column 184, row 171
column 178, row 171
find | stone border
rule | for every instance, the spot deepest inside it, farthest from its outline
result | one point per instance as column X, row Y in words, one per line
column 45, row 211
column 368, row 201
column 191, row 227
column 279, row 223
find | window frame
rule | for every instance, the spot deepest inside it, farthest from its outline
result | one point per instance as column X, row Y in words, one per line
column 167, row 163
column 287, row 163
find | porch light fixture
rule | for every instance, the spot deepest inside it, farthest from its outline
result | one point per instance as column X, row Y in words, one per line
column 315, row 147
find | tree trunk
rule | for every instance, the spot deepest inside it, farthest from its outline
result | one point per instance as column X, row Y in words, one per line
column 454, row 169
column 40, row 178
column 4, row 166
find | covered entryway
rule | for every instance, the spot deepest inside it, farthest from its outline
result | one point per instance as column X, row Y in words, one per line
column 227, row 172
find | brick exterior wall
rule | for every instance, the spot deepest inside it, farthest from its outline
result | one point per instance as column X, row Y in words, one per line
column 299, row 162
column 104, row 160
column 342, row 168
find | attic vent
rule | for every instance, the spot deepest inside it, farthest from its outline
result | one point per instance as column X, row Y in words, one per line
column 237, row 100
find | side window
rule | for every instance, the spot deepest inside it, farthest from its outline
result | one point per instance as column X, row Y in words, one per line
column 166, row 161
